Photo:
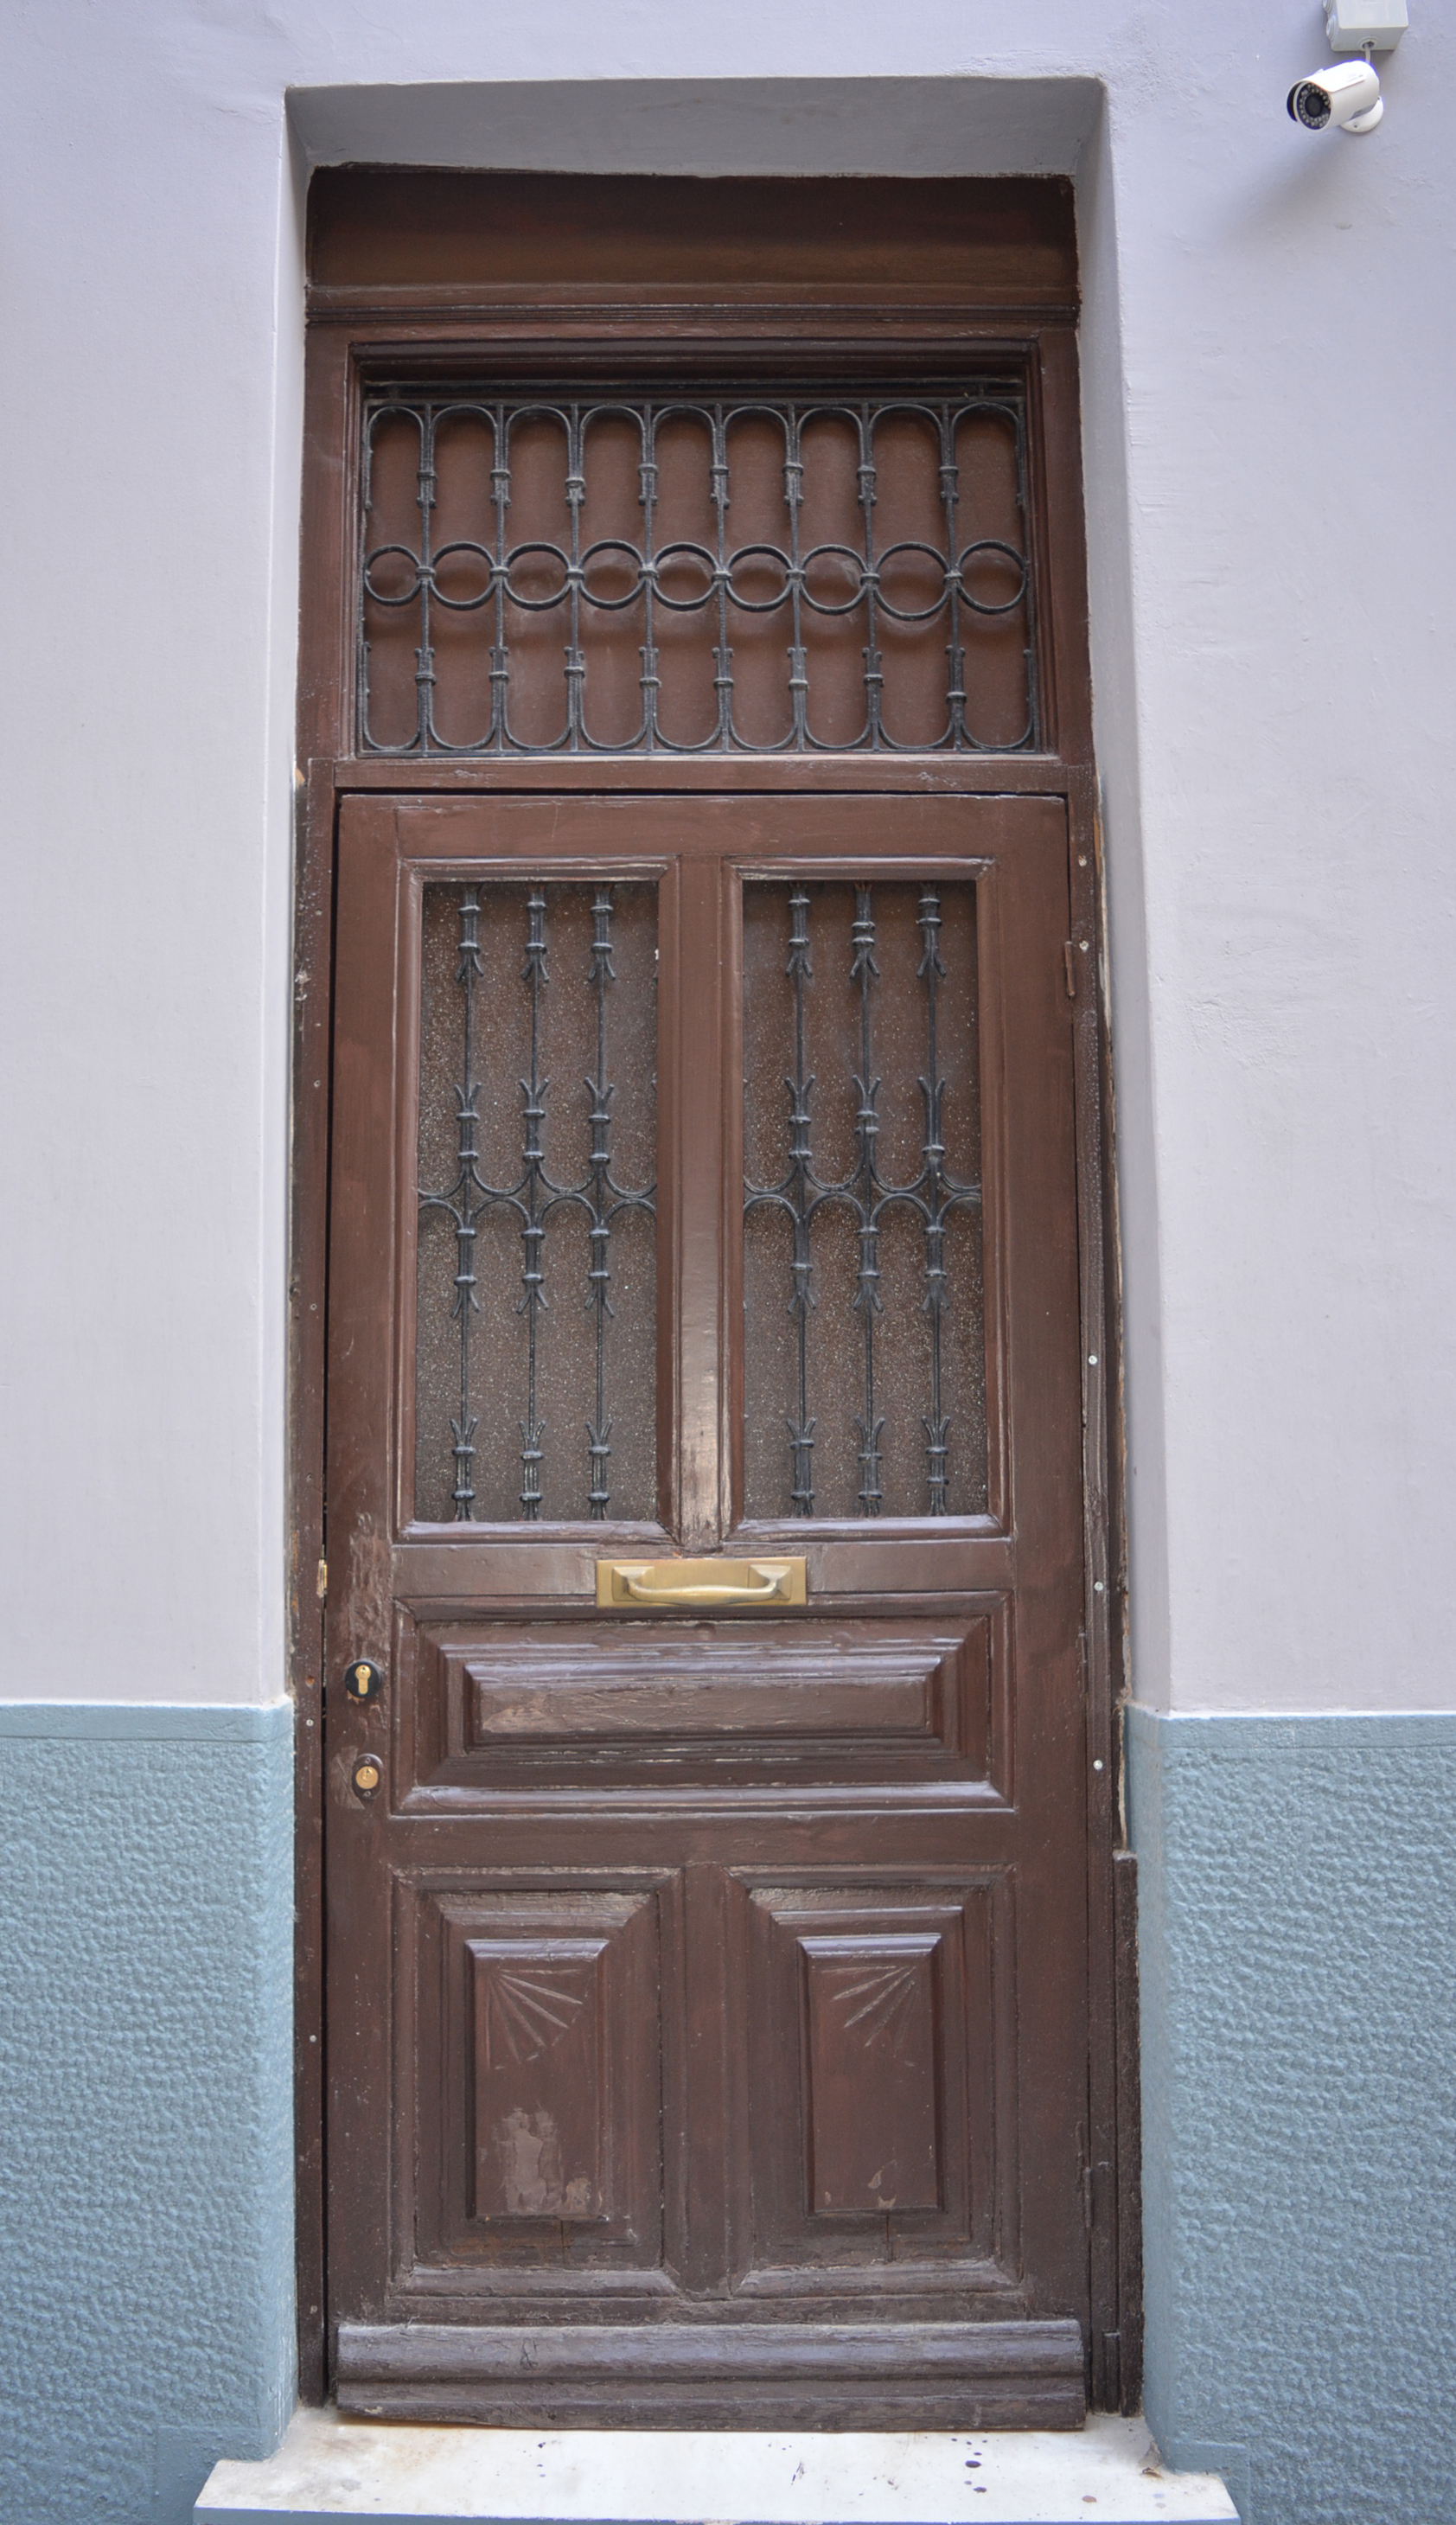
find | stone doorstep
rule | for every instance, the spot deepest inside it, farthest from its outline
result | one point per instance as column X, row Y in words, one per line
column 1108, row 2473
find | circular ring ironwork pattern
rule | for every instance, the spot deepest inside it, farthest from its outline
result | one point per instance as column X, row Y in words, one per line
column 985, row 579
column 867, row 576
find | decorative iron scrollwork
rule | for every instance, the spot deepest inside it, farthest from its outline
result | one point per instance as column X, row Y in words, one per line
column 961, row 579
column 803, row 1195
column 534, row 1199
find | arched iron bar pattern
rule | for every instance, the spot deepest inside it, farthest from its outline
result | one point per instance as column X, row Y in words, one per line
column 396, row 575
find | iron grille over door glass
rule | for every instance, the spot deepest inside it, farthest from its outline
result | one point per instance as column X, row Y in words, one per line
column 864, row 1384
column 687, row 575
column 535, row 1392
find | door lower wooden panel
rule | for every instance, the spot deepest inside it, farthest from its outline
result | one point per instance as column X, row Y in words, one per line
column 917, row 2375
column 556, row 2104
column 538, row 2012
column 870, row 2017
column 507, row 1707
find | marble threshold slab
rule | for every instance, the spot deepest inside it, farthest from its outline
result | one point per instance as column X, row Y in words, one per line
column 1108, row 2473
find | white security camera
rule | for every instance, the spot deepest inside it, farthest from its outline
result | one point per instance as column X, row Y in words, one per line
column 1346, row 97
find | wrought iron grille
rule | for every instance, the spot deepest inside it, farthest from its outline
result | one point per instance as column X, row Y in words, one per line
column 531, row 1201
column 691, row 575
column 848, row 1376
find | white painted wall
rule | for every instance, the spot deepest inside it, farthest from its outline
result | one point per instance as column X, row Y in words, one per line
column 1271, row 508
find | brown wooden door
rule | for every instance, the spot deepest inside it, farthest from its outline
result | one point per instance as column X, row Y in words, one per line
column 707, row 2013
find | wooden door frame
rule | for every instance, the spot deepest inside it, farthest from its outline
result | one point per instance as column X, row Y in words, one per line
column 356, row 335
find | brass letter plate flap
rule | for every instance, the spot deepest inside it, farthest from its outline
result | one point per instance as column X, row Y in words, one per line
column 702, row 1586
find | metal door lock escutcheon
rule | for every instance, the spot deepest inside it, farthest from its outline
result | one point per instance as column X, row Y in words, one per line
column 363, row 1681
column 368, row 1777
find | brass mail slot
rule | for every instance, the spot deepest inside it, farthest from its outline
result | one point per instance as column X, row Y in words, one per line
column 707, row 1586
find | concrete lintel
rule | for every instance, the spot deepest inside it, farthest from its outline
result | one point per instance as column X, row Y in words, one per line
column 784, row 127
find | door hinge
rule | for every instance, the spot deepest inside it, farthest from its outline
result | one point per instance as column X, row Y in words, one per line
column 1112, row 2370
column 1095, row 2195
column 1071, row 971
column 321, row 1582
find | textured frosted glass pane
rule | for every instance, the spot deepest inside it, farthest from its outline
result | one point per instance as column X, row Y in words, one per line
column 536, row 1272
column 864, row 1349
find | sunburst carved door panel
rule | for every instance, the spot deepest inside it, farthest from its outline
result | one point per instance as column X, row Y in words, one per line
column 877, row 2034
column 535, row 2064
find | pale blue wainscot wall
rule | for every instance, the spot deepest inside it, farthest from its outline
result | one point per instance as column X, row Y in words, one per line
column 1299, row 1960
column 146, row 2134
column 1297, row 1902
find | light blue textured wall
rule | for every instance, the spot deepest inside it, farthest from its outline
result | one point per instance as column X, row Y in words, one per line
column 1298, row 1959
column 1298, row 1929
column 146, row 2148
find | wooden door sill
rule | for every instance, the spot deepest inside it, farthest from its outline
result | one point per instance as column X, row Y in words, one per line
column 803, row 2375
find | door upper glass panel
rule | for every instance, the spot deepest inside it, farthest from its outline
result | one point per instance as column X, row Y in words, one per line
column 535, row 1387
column 788, row 574
column 864, row 1357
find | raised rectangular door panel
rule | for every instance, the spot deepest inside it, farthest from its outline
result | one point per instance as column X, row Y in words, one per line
column 709, row 2000
column 874, row 2084
column 875, row 2031
column 539, row 2094
column 510, row 1706
column 534, row 2060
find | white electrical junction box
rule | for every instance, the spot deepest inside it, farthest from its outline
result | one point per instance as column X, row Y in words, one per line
column 1360, row 26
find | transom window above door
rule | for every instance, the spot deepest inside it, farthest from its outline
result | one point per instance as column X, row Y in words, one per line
column 691, row 575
